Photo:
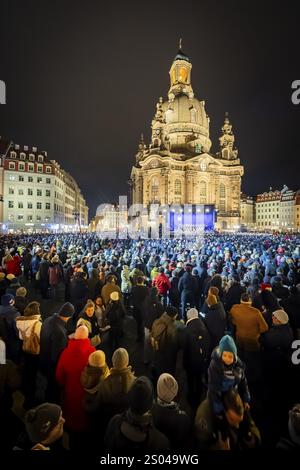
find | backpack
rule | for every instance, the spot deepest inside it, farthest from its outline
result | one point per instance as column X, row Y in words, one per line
column 31, row 344
column 158, row 334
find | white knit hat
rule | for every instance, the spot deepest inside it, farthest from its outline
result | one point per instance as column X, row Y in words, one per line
column 192, row 313
column 167, row 387
column 281, row 316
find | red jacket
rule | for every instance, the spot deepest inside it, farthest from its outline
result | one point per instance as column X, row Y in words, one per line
column 14, row 266
column 162, row 283
column 71, row 363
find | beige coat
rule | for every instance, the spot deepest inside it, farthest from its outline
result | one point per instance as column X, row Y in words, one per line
column 250, row 324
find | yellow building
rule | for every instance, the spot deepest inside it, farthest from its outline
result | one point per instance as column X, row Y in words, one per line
column 178, row 166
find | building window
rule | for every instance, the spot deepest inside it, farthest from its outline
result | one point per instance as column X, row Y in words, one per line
column 30, row 179
column 169, row 115
column 29, row 205
column 39, row 192
column 21, row 178
column 203, row 192
column 38, row 205
column 48, row 206
column 31, row 157
column 13, row 154
column 193, row 115
column 22, row 156
column 48, row 169
column 20, row 205
column 11, row 165
column 38, row 218
column 20, row 217
column 39, row 179
column 203, row 166
column 40, row 158
column 30, row 167
column 40, row 168
column 29, row 218
column 30, row 192
column 21, row 166
column 154, row 189
column 48, row 192
column 21, row 192
column 222, row 191
column 177, row 187
column 11, row 190
column 11, row 177
column 10, row 204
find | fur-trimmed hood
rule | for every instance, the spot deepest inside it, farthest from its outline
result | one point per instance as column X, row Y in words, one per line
column 26, row 324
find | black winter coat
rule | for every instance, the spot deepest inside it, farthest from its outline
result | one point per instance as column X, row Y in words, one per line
column 126, row 434
column 216, row 323
column 173, row 422
column 196, row 347
column 9, row 332
column 233, row 296
column 54, row 339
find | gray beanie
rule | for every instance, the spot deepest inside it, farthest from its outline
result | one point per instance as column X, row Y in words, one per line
column 40, row 421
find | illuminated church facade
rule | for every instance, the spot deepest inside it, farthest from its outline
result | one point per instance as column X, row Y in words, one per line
column 178, row 166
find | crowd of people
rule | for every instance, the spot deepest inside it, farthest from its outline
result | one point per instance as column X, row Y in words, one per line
column 214, row 320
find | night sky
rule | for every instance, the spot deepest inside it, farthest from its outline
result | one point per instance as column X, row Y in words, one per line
column 83, row 79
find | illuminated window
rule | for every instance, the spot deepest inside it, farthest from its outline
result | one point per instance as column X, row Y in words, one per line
column 177, row 187
column 203, row 166
column 154, row 189
column 203, row 189
column 193, row 114
column 183, row 74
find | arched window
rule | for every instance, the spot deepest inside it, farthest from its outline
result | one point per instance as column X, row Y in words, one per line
column 177, row 187
column 203, row 192
column 193, row 115
column 169, row 115
column 222, row 198
column 154, row 189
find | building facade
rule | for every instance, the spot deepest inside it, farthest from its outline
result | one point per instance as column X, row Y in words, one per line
column 278, row 210
column 34, row 192
column 178, row 167
column 247, row 211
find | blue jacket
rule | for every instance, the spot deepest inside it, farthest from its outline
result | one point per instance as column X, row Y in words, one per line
column 222, row 378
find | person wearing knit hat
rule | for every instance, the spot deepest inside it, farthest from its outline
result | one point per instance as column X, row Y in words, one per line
column 114, row 296
column 67, row 310
column 192, row 313
column 280, row 317
column 2, row 275
column 276, row 343
column 94, row 372
column 44, row 425
column 120, row 359
column 226, row 372
column 140, row 396
column 7, row 300
column 167, row 388
column 21, row 292
column 134, row 429
column 167, row 415
column 81, row 332
column 10, row 277
column 71, row 363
